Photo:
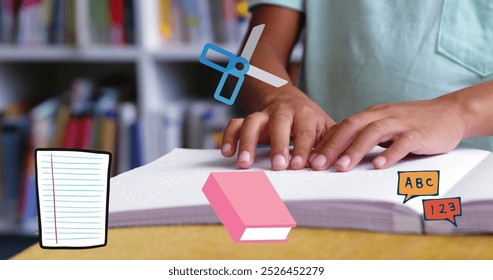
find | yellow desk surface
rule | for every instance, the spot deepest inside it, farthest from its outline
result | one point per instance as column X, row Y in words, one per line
column 212, row 242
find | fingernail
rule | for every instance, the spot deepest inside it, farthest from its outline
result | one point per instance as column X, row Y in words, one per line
column 226, row 148
column 379, row 161
column 312, row 157
column 279, row 161
column 244, row 157
column 297, row 160
column 343, row 161
column 319, row 161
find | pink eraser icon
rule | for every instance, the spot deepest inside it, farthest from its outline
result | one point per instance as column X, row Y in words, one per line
column 248, row 206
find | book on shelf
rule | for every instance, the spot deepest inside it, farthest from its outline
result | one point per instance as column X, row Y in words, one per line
column 84, row 117
column 168, row 191
column 127, row 137
column 205, row 122
column 93, row 120
column 171, row 130
column 33, row 23
column 185, row 123
column 106, row 117
column 108, row 22
column 14, row 130
column 78, row 134
column 189, row 21
column 42, row 118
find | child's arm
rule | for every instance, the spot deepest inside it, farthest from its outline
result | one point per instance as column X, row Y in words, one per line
column 277, row 114
column 420, row 127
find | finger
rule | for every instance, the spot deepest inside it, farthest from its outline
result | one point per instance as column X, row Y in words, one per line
column 319, row 142
column 402, row 146
column 251, row 128
column 231, row 135
column 304, row 136
column 367, row 139
column 280, row 135
column 329, row 149
column 323, row 138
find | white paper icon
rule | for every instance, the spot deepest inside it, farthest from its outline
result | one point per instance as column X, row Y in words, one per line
column 73, row 193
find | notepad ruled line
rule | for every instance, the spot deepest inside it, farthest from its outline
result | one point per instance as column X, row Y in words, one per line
column 81, row 207
column 71, row 168
column 54, row 200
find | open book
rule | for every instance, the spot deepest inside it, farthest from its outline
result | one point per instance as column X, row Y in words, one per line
column 168, row 191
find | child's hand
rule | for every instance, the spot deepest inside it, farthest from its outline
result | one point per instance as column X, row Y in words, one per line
column 421, row 127
column 291, row 114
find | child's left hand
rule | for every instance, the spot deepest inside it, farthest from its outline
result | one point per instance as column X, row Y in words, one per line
column 421, row 127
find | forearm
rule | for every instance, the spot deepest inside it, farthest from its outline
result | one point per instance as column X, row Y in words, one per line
column 272, row 54
column 475, row 106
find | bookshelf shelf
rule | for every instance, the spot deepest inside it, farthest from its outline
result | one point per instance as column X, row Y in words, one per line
column 190, row 52
column 64, row 53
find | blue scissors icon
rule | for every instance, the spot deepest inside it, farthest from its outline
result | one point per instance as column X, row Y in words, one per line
column 239, row 66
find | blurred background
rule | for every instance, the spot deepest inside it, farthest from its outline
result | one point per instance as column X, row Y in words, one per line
column 114, row 75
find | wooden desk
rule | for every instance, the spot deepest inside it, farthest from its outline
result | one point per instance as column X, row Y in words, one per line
column 213, row 242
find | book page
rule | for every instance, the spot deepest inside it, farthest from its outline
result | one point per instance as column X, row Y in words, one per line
column 176, row 179
column 73, row 197
column 477, row 184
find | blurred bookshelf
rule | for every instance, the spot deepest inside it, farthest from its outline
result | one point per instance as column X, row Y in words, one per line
column 110, row 64
column 129, row 66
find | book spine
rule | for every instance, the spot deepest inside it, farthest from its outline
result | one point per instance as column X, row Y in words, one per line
column 191, row 20
column 82, row 25
column 166, row 18
column 56, row 26
column 71, row 134
column 129, row 22
column 14, row 137
column 219, row 30
column 225, row 211
column 61, row 126
column 100, row 21
column 2, row 164
column 172, row 126
column 109, row 140
column 85, row 132
column 29, row 213
column 8, row 21
column 68, row 32
column 230, row 20
column 205, row 22
column 127, row 116
column 136, row 145
column 179, row 22
column 116, row 19
column 29, row 22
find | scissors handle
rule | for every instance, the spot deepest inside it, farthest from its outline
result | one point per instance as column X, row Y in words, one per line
column 222, row 84
column 204, row 60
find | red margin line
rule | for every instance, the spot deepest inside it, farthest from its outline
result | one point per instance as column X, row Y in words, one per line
column 54, row 206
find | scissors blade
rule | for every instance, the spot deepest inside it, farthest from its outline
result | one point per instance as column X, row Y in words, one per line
column 252, row 41
column 266, row 77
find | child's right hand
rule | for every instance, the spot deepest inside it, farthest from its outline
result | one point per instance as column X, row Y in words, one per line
column 291, row 115
column 279, row 113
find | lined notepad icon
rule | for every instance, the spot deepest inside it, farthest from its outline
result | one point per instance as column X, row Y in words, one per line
column 73, row 193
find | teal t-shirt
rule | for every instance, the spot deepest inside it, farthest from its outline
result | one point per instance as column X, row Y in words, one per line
column 363, row 52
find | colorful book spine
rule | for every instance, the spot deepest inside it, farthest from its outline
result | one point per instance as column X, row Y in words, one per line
column 117, row 22
column 165, row 19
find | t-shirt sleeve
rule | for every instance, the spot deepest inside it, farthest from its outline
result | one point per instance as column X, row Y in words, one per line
column 291, row 4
